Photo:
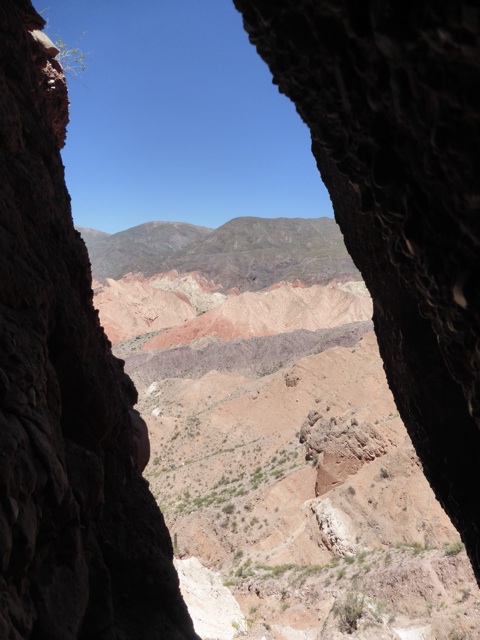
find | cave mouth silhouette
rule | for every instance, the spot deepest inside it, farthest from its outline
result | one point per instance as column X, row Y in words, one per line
column 391, row 99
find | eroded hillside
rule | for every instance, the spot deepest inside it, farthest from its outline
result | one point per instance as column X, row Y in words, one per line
column 281, row 463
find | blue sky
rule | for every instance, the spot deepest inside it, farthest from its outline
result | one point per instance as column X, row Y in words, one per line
column 176, row 118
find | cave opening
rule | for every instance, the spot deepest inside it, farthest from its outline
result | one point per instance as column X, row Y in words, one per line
column 78, row 524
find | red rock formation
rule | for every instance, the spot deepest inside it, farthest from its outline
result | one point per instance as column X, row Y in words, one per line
column 84, row 551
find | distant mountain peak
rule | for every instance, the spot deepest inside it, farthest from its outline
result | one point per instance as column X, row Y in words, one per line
column 246, row 253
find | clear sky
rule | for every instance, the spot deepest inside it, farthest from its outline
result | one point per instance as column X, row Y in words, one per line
column 176, row 118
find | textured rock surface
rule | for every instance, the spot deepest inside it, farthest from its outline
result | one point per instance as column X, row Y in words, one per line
column 84, row 551
column 389, row 92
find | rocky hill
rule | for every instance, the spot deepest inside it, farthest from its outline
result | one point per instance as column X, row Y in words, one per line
column 248, row 254
column 255, row 356
column 253, row 253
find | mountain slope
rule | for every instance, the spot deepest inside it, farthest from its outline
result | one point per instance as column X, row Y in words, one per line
column 246, row 253
column 96, row 241
column 254, row 357
column 253, row 253
column 139, row 249
column 230, row 438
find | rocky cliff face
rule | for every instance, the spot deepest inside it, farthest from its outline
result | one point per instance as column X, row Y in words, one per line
column 389, row 92
column 84, row 551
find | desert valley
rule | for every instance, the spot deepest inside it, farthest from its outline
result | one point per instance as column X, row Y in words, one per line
column 296, row 504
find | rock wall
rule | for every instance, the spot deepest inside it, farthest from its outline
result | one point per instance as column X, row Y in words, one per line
column 390, row 93
column 84, row 551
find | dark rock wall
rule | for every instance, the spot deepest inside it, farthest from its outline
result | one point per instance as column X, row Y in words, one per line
column 84, row 551
column 391, row 94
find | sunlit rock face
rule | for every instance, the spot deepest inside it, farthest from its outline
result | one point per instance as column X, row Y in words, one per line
column 84, row 551
column 390, row 93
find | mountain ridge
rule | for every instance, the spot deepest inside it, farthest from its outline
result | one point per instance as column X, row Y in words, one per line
column 134, row 249
column 246, row 253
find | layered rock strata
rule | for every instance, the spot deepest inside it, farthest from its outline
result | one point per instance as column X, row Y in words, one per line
column 390, row 93
column 84, row 551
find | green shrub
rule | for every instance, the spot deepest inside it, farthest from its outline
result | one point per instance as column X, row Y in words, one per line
column 229, row 508
column 454, row 548
column 349, row 611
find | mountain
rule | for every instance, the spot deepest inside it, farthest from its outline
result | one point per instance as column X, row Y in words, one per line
column 246, row 253
column 253, row 253
column 139, row 249
column 95, row 240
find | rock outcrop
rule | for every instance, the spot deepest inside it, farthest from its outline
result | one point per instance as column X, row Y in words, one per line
column 389, row 92
column 341, row 447
column 84, row 551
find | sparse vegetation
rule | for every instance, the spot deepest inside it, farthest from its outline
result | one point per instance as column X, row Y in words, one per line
column 229, row 508
column 238, row 554
column 465, row 594
column 349, row 610
column 454, row 548
column 73, row 60
column 415, row 547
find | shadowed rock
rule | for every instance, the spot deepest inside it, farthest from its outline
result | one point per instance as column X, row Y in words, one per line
column 84, row 551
